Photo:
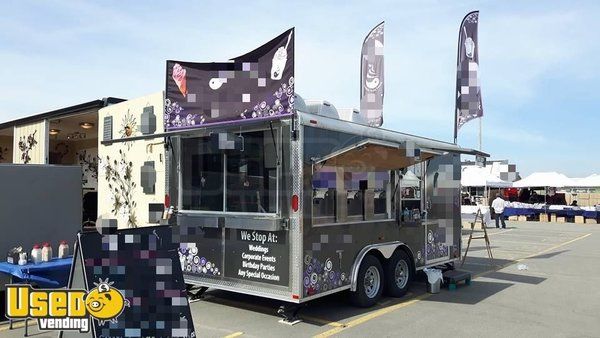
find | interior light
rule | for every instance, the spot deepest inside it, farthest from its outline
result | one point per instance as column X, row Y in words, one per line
column 54, row 131
column 86, row 125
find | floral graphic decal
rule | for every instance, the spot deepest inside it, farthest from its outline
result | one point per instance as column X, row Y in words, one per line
column 89, row 165
column 276, row 105
column 191, row 262
column 434, row 248
column 181, row 119
column 3, row 152
column 129, row 127
column 118, row 173
column 25, row 145
column 321, row 277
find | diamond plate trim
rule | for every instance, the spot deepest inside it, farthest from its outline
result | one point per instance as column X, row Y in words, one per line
column 296, row 231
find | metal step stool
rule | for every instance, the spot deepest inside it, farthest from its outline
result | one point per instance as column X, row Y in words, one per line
column 452, row 277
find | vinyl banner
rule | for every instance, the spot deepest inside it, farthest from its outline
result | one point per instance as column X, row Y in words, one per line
column 371, row 77
column 468, row 90
column 256, row 85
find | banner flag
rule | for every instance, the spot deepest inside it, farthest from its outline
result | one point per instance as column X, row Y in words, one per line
column 256, row 85
column 468, row 90
column 371, row 77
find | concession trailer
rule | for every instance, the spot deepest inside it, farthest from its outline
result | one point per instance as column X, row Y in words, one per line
column 279, row 197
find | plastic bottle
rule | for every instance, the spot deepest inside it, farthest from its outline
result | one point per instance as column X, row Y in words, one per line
column 63, row 249
column 23, row 258
column 46, row 252
column 405, row 215
column 36, row 254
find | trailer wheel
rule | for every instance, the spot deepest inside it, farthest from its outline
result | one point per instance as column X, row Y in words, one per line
column 369, row 285
column 398, row 274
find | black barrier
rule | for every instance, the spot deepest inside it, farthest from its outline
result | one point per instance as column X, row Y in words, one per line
column 143, row 265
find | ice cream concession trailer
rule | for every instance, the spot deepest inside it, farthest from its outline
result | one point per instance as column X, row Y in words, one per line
column 279, row 197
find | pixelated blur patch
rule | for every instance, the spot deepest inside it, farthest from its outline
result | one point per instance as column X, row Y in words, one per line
column 143, row 263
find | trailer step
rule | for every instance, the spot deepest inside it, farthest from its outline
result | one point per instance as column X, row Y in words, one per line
column 453, row 277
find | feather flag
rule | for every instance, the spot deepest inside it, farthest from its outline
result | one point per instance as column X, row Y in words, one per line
column 468, row 90
column 372, row 79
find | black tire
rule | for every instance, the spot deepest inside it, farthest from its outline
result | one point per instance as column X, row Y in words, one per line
column 366, row 296
column 398, row 274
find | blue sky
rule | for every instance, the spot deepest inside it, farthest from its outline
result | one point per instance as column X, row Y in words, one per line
column 539, row 64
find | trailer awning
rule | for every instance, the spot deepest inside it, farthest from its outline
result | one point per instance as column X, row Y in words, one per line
column 373, row 155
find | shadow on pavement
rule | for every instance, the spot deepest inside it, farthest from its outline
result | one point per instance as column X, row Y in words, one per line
column 477, row 291
column 549, row 254
column 511, row 277
column 337, row 308
column 319, row 312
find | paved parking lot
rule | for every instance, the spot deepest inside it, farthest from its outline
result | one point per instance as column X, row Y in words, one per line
column 557, row 295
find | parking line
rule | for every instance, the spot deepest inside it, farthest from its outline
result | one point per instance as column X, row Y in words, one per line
column 371, row 315
column 489, row 233
column 533, row 255
column 392, row 308
column 556, row 246
column 235, row 334
column 321, row 321
column 500, row 232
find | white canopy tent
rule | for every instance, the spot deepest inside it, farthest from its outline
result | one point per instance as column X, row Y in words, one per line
column 480, row 177
column 592, row 181
column 544, row 180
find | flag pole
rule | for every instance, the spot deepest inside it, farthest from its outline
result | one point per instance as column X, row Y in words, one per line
column 480, row 124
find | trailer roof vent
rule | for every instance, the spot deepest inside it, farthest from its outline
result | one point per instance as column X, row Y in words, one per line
column 299, row 103
column 321, row 107
column 352, row 115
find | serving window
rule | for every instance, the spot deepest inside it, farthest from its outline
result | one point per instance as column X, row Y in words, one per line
column 240, row 179
column 366, row 181
column 344, row 195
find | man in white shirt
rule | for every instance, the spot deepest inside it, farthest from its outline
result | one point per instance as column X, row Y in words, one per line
column 498, row 207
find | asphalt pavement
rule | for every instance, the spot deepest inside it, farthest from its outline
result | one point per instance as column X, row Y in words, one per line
column 543, row 281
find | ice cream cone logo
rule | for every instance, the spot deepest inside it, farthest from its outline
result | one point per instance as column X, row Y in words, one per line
column 469, row 45
column 180, row 79
column 372, row 81
column 279, row 60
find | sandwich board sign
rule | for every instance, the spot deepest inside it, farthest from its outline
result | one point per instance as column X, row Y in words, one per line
column 134, row 284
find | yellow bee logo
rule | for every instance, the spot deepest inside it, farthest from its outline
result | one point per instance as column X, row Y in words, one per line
column 105, row 302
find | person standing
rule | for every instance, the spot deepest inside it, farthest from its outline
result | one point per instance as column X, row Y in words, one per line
column 498, row 206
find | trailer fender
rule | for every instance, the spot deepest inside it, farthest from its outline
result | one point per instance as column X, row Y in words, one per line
column 385, row 249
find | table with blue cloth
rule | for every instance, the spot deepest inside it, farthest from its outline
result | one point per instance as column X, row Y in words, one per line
column 591, row 214
column 52, row 274
column 521, row 211
column 565, row 212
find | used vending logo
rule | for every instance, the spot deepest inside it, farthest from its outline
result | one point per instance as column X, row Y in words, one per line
column 59, row 309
